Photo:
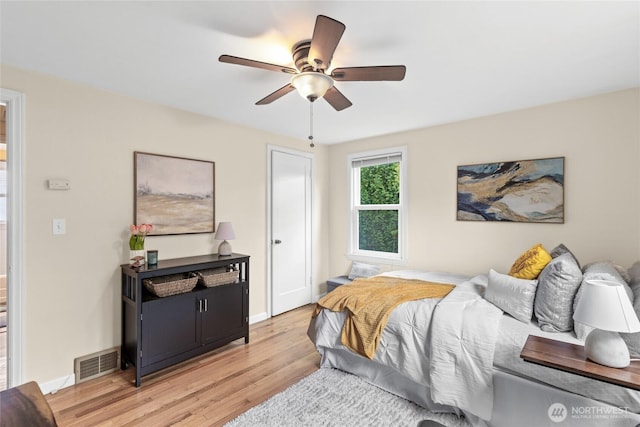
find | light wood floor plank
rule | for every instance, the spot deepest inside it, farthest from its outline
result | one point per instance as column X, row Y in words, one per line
column 206, row 391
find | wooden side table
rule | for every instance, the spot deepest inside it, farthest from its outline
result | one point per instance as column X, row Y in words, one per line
column 158, row 332
column 570, row 358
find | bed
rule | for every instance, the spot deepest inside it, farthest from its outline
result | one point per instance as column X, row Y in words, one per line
column 461, row 354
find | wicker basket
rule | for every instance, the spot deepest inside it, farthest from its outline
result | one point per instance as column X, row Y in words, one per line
column 217, row 276
column 173, row 284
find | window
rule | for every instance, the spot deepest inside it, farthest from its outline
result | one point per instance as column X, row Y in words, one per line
column 378, row 204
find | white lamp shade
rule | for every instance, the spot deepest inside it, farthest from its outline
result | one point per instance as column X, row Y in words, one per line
column 311, row 84
column 225, row 231
column 605, row 305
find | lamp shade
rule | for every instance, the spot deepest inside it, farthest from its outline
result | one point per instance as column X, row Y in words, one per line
column 605, row 305
column 311, row 85
column 225, row 231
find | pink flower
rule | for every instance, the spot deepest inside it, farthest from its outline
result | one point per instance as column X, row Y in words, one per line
column 145, row 228
column 138, row 233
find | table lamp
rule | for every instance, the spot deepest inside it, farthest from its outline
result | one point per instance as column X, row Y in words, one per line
column 604, row 305
column 225, row 232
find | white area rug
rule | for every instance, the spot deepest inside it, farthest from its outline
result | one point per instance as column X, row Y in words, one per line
column 330, row 397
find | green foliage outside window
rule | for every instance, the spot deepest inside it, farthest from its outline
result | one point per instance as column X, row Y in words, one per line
column 378, row 229
column 380, row 184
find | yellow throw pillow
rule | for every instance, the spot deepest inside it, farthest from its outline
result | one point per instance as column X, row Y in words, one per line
column 530, row 263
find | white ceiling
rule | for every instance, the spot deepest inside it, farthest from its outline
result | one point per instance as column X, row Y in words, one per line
column 464, row 59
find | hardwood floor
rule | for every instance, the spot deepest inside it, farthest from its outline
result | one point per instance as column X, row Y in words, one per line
column 207, row 391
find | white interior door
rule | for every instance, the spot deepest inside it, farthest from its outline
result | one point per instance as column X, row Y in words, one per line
column 290, row 230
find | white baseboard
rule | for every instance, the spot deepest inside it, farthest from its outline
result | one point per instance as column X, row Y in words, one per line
column 54, row 385
column 258, row 318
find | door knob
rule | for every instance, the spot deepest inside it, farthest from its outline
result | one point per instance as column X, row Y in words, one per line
column 277, row 242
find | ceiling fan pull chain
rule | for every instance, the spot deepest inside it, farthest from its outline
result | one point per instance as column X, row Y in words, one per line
column 311, row 124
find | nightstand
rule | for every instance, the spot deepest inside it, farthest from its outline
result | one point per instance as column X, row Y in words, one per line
column 337, row 281
column 570, row 358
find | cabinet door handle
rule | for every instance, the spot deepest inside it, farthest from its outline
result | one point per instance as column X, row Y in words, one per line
column 206, row 305
column 277, row 242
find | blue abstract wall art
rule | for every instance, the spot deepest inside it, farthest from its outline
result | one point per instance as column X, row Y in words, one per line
column 518, row 191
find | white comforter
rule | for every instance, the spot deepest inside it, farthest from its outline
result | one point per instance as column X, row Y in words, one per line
column 457, row 365
column 463, row 335
column 404, row 342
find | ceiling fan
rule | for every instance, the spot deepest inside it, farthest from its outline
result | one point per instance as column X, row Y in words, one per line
column 312, row 59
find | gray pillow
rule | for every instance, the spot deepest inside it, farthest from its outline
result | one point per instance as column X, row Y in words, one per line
column 512, row 295
column 633, row 340
column 558, row 284
column 634, row 275
column 359, row 269
column 561, row 249
column 600, row 270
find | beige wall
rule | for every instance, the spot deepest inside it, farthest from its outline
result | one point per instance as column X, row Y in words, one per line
column 600, row 140
column 72, row 283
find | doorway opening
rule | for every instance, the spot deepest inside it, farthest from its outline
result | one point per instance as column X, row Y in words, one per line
column 3, row 246
column 12, row 211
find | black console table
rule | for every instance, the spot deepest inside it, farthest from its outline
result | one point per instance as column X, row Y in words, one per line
column 160, row 332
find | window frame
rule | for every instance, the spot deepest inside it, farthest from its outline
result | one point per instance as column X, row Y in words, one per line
column 355, row 253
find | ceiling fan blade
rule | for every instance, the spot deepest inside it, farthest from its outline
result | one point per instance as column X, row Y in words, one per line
column 326, row 35
column 336, row 99
column 256, row 64
column 276, row 95
column 379, row 73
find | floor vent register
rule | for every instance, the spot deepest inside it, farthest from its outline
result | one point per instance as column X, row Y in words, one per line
column 96, row 364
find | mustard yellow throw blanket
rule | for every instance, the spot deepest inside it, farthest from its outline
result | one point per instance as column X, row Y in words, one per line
column 369, row 303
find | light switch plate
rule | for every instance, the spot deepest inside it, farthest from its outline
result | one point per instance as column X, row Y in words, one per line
column 59, row 226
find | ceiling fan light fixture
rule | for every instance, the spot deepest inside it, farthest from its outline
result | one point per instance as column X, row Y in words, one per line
column 311, row 85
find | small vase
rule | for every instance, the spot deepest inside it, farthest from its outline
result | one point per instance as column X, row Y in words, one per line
column 133, row 257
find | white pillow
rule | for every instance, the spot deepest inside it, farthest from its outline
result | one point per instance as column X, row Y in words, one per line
column 359, row 269
column 512, row 295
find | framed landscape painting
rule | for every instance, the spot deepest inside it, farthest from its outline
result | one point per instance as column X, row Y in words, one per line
column 175, row 194
column 518, row 191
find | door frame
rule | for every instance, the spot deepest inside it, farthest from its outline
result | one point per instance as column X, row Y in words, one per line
column 15, row 105
column 270, row 149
